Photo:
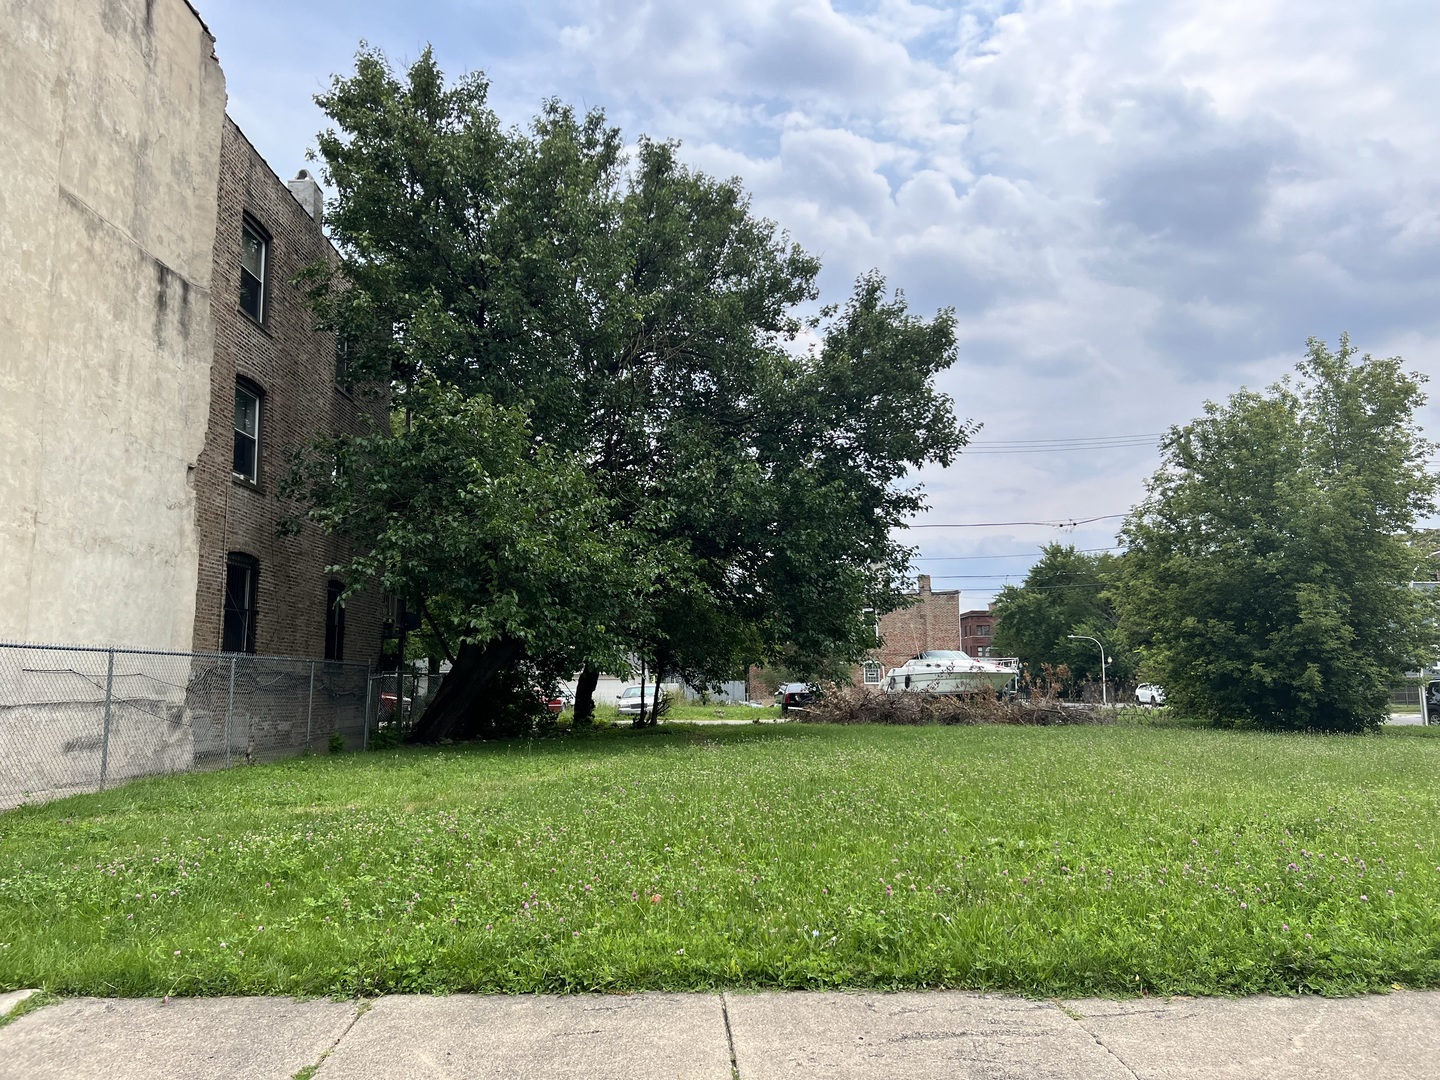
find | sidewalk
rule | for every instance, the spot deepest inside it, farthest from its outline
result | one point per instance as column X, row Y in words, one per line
column 762, row 1036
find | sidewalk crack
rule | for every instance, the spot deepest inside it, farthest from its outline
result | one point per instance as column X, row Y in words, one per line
column 729, row 1037
column 309, row 1071
column 1078, row 1019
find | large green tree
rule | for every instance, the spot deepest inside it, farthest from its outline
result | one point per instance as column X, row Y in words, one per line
column 644, row 323
column 1066, row 592
column 1266, row 572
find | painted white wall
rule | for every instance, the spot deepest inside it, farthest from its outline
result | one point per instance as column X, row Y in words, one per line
column 110, row 121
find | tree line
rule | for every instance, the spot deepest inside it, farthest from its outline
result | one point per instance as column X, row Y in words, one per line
column 627, row 437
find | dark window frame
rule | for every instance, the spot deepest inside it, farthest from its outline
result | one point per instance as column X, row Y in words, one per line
column 253, row 389
column 343, row 381
column 241, row 603
column 259, row 292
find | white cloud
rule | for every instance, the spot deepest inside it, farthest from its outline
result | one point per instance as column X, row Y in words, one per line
column 1132, row 204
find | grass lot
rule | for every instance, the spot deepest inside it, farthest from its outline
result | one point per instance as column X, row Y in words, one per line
column 686, row 712
column 1048, row 861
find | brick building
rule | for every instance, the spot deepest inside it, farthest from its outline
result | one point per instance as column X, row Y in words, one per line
column 977, row 630
column 273, row 387
column 931, row 622
column 156, row 365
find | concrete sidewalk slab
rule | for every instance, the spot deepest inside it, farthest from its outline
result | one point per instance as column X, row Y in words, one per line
column 590, row 1037
column 1386, row 1037
column 12, row 998
column 911, row 1036
column 190, row 1038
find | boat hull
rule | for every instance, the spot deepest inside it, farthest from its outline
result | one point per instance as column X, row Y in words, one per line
column 900, row 681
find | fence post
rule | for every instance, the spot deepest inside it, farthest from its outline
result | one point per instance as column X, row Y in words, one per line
column 365, row 725
column 229, row 708
column 105, row 730
column 310, row 706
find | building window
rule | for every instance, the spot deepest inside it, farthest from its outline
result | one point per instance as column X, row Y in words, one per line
column 983, row 630
column 334, row 622
column 342, row 363
column 242, row 588
column 873, row 671
column 254, row 256
column 247, row 432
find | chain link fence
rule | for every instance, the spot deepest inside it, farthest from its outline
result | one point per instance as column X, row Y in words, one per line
column 79, row 719
column 398, row 698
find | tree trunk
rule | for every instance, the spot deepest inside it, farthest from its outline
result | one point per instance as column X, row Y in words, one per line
column 585, row 696
column 467, row 704
column 639, row 720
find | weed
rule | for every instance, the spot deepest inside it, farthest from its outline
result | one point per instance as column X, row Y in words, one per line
column 30, row 1004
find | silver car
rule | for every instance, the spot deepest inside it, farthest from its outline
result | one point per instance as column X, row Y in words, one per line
column 1150, row 694
column 632, row 696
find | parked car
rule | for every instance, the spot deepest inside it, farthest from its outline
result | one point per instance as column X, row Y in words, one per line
column 795, row 695
column 1150, row 694
column 632, row 696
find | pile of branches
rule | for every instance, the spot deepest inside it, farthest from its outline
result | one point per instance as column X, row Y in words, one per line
column 852, row 705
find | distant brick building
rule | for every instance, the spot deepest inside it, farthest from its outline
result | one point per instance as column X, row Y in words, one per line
column 977, row 631
column 932, row 621
column 273, row 387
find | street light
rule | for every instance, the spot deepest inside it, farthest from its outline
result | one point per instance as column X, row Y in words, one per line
column 1104, row 698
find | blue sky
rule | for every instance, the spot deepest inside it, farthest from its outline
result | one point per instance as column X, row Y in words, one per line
column 1133, row 205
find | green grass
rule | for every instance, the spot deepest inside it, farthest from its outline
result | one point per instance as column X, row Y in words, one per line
column 29, row 1005
column 693, row 712
column 686, row 712
column 1048, row 861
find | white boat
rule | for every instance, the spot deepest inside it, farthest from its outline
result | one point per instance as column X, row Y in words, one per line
column 949, row 671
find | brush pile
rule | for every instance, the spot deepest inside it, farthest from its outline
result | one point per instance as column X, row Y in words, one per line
column 852, row 705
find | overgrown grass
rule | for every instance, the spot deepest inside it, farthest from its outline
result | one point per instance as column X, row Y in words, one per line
column 679, row 711
column 1049, row 861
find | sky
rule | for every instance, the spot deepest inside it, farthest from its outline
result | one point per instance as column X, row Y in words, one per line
column 1133, row 206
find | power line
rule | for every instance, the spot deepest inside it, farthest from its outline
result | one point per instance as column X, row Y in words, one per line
column 1056, row 449
column 1071, row 445
column 1040, row 588
column 975, row 577
column 1070, row 439
column 1020, row 555
column 1070, row 524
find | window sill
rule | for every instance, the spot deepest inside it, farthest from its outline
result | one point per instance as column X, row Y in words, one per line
column 246, row 483
column 259, row 324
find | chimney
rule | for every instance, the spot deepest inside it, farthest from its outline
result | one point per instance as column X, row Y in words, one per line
column 924, row 583
column 307, row 193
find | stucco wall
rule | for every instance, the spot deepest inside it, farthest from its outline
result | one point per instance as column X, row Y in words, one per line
column 111, row 114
